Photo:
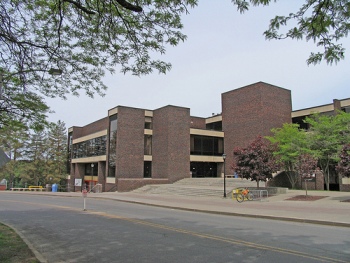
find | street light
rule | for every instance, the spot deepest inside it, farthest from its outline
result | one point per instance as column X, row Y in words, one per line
column 55, row 72
column 224, row 157
column 92, row 176
column 51, row 71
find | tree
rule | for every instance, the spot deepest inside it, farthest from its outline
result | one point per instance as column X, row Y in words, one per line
column 290, row 144
column 36, row 158
column 255, row 162
column 343, row 166
column 79, row 40
column 57, row 152
column 18, row 108
column 305, row 167
column 326, row 136
column 325, row 22
column 13, row 172
column 12, row 141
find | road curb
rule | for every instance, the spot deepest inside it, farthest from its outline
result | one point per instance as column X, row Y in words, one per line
column 289, row 219
column 270, row 217
column 37, row 254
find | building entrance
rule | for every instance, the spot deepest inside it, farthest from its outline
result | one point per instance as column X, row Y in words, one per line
column 204, row 169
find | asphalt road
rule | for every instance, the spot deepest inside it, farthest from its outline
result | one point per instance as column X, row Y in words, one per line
column 112, row 231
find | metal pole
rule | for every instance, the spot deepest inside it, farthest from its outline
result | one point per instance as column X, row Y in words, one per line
column 224, row 157
column 84, row 193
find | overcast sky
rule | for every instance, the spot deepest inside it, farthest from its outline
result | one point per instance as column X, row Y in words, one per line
column 225, row 50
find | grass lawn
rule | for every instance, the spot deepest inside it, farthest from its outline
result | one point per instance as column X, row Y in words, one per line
column 13, row 249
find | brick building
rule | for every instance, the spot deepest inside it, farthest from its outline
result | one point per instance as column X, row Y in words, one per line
column 133, row 147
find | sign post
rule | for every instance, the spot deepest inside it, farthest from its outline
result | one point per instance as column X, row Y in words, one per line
column 84, row 192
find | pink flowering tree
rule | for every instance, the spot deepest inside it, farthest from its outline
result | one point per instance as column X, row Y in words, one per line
column 343, row 166
column 255, row 162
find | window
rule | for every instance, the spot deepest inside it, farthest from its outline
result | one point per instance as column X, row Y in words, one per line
column 70, row 151
column 216, row 126
column 112, row 145
column 207, row 145
column 300, row 122
column 147, row 145
column 147, row 169
column 91, row 169
column 346, row 109
column 89, row 148
column 148, row 123
column 203, row 169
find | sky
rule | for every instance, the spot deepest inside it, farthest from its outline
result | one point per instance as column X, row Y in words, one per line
column 225, row 50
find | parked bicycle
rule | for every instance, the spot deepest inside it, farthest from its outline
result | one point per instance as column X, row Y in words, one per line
column 244, row 194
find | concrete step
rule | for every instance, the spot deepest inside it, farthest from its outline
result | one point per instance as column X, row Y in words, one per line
column 218, row 182
column 184, row 191
column 197, row 187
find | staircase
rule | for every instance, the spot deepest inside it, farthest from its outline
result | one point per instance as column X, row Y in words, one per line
column 197, row 187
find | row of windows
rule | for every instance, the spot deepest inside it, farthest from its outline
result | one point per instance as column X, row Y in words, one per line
column 200, row 145
column 112, row 157
column 90, row 148
column 207, row 145
column 198, row 169
column 91, row 169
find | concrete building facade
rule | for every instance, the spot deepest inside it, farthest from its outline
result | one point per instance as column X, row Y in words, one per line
column 134, row 147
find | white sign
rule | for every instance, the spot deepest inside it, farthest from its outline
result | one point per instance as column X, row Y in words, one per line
column 78, row 182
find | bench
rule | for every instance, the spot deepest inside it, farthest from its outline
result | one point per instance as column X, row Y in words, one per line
column 27, row 189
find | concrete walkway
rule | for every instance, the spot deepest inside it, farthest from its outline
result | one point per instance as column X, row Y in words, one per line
column 330, row 210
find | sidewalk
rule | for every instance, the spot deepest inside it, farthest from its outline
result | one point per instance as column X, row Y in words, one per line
column 330, row 210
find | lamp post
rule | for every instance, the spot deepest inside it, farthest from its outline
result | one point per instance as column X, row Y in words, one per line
column 51, row 71
column 224, row 157
column 55, row 72
column 92, row 176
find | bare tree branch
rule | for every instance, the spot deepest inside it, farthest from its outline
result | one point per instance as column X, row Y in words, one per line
column 78, row 5
column 129, row 6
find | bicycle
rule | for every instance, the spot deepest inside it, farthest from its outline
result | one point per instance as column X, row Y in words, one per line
column 244, row 195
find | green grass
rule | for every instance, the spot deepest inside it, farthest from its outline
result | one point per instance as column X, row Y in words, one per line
column 13, row 249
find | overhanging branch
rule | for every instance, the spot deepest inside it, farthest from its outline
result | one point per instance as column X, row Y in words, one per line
column 123, row 3
column 78, row 5
column 129, row 6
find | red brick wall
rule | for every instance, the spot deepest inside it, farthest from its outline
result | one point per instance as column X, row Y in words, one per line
column 281, row 180
column 251, row 111
column 198, row 123
column 130, row 143
column 171, row 143
column 102, row 174
column 110, row 188
column 77, row 171
column 93, row 127
column 343, row 187
column 336, row 105
column 125, row 185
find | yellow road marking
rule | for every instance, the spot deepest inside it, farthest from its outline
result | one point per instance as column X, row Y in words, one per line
column 188, row 232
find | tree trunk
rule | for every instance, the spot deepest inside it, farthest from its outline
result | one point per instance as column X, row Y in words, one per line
column 325, row 169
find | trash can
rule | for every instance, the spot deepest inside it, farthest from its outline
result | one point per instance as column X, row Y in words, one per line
column 54, row 187
column 48, row 187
